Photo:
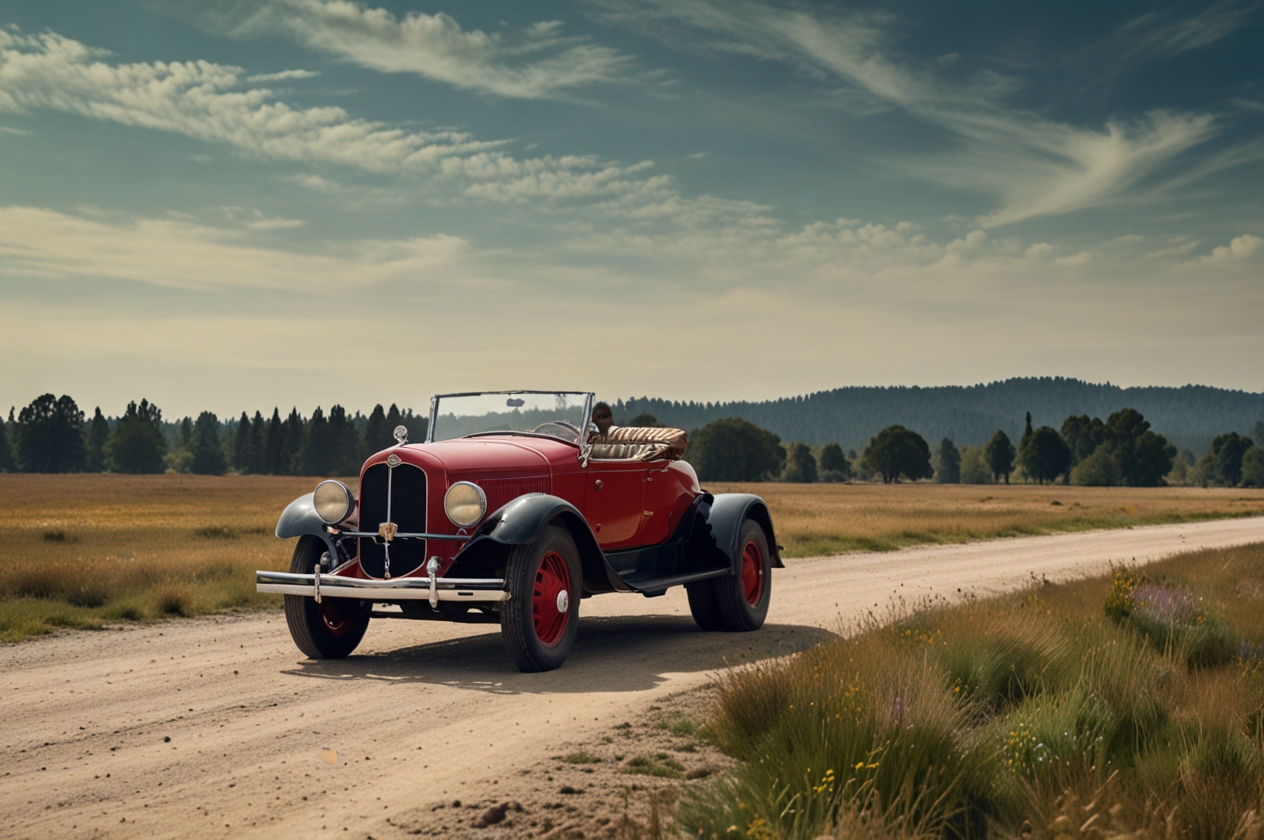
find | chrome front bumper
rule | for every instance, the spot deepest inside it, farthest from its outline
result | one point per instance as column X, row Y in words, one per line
column 432, row 589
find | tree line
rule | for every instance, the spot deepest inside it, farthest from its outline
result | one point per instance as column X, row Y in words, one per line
column 1122, row 450
column 1189, row 416
column 53, row 435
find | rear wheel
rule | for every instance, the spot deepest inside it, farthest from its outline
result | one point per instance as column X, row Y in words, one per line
column 541, row 617
column 742, row 599
column 702, row 603
column 330, row 629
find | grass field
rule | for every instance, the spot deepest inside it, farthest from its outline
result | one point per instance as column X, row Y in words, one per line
column 86, row 549
column 819, row 519
column 1126, row 706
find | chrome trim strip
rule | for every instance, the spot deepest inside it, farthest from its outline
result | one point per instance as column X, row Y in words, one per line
column 397, row 589
column 403, row 536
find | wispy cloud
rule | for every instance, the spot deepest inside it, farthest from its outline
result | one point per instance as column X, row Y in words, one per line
column 1166, row 33
column 216, row 103
column 283, row 76
column 1032, row 166
column 537, row 62
column 186, row 254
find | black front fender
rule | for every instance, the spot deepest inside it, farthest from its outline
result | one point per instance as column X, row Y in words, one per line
column 525, row 518
column 300, row 519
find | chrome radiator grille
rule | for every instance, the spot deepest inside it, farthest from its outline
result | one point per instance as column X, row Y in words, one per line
column 403, row 490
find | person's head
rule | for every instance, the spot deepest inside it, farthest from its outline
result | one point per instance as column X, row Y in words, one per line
column 603, row 417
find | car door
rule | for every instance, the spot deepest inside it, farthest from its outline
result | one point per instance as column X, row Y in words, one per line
column 613, row 501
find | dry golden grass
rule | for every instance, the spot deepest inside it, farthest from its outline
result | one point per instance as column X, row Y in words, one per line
column 84, row 549
column 816, row 519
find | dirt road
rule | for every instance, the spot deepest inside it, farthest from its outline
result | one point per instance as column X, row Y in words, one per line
column 220, row 727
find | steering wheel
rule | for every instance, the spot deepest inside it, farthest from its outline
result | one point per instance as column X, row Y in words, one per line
column 558, row 429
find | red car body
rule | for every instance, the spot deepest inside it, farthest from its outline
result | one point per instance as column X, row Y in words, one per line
column 557, row 525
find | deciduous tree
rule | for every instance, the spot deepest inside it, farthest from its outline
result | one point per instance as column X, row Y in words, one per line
column 800, row 464
column 1253, row 466
column 1143, row 456
column 947, row 463
column 1083, row 435
column 999, row 455
column 1044, row 455
column 1223, row 462
column 48, row 436
column 733, row 449
column 896, row 451
column 833, row 464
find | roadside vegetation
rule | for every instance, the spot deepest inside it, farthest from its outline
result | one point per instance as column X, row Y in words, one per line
column 1125, row 706
column 84, row 550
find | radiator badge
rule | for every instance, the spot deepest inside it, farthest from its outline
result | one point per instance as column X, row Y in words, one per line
column 393, row 460
column 387, row 530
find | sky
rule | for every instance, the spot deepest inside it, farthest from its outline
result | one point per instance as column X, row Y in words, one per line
column 232, row 205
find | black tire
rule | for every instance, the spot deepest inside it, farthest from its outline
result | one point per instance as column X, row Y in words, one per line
column 538, row 634
column 328, row 630
column 742, row 599
column 702, row 603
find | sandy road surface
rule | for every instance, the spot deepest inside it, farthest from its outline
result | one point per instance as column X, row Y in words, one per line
column 216, row 727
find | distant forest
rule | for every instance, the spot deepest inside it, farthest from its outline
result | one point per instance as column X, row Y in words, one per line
column 1190, row 416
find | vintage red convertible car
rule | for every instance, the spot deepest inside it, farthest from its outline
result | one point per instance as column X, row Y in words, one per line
column 514, row 509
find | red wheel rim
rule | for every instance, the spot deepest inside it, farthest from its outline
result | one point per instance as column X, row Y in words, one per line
column 752, row 573
column 336, row 619
column 551, row 580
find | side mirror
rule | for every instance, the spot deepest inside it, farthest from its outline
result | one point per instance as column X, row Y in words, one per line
column 593, row 430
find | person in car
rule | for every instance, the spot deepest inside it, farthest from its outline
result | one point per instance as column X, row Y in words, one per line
column 603, row 417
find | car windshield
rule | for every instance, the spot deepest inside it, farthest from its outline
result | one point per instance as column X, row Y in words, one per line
column 558, row 414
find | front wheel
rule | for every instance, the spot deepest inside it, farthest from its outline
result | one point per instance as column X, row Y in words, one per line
column 541, row 617
column 330, row 629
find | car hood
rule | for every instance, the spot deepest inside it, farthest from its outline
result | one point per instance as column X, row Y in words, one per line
column 496, row 455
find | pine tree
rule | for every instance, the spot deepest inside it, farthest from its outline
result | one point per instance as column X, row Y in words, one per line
column 48, row 436
column 377, row 435
column 137, row 445
column 344, row 443
column 393, row 419
column 314, row 456
column 274, row 445
column 6, row 453
column 245, row 446
column 295, row 433
column 95, row 437
column 207, row 448
column 258, row 431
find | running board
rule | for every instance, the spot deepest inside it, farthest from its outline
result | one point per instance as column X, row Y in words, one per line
column 653, row 587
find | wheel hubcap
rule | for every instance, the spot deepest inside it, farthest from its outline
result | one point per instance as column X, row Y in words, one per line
column 336, row 619
column 752, row 573
column 550, row 599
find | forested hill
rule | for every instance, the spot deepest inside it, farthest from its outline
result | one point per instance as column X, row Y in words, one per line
column 1189, row 416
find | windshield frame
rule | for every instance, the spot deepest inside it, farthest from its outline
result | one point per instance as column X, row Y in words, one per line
column 581, row 444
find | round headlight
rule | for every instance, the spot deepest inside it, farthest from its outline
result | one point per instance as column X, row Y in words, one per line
column 465, row 504
column 333, row 501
